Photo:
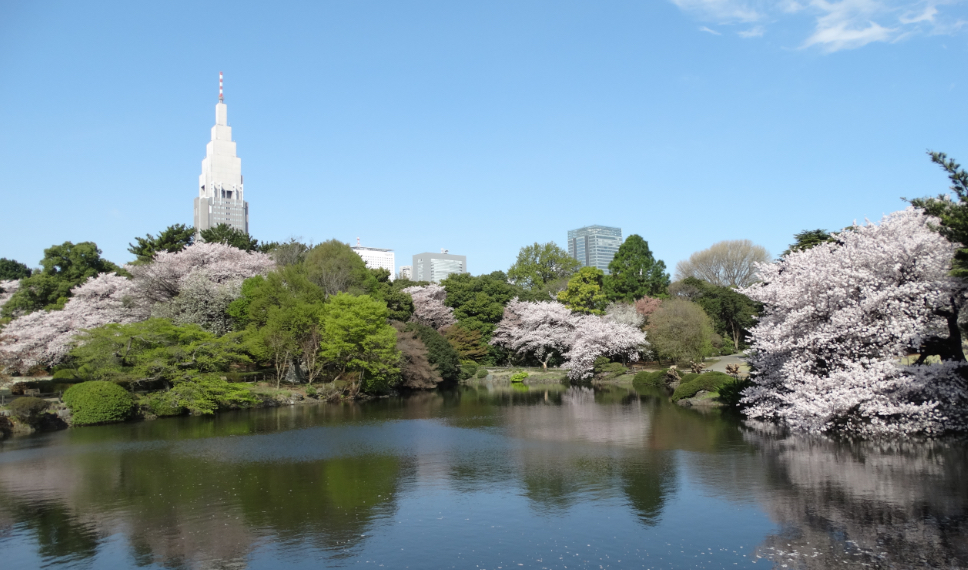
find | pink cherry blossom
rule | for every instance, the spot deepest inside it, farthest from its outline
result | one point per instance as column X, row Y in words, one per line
column 839, row 317
column 429, row 308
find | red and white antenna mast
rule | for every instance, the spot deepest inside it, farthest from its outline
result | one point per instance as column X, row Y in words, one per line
column 221, row 97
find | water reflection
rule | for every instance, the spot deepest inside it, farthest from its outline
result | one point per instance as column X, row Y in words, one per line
column 478, row 469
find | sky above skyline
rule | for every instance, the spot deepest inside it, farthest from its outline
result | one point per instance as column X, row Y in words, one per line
column 477, row 127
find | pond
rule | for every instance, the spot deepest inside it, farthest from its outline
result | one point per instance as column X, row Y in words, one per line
column 482, row 476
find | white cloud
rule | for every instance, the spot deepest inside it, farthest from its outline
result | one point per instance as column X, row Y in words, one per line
column 708, row 31
column 837, row 24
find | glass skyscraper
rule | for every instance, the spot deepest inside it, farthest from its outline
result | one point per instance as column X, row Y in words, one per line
column 594, row 246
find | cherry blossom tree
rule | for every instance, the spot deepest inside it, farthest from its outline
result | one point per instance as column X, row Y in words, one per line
column 624, row 313
column 429, row 308
column 596, row 336
column 545, row 329
column 162, row 280
column 839, row 318
column 43, row 338
column 7, row 289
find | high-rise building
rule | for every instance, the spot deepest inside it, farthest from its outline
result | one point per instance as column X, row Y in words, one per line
column 376, row 257
column 436, row 267
column 406, row 272
column 594, row 246
column 220, row 197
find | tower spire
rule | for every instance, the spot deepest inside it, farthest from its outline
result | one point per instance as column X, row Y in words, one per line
column 221, row 97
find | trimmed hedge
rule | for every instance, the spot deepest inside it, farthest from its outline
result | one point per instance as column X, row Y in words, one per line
column 98, row 402
column 482, row 372
column 710, row 381
column 650, row 379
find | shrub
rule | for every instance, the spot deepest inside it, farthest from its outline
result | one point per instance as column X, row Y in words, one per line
column 611, row 370
column 650, row 379
column 519, row 376
column 311, row 391
column 28, row 409
column 467, row 369
column 98, row 402
column 65, row 374
column 601, row 362
column 482, row 372
column 731, row 392
column 726, row 350
column 692, row 384
column 200, row 396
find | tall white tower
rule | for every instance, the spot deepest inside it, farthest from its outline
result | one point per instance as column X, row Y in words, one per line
column 220, row 195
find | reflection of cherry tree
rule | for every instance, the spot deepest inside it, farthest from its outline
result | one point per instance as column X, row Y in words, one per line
column 429, row 308
column 838, row 318
column 548, row 328
column 887, row 504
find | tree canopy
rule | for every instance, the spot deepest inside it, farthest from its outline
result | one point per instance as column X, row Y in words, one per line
column 953, row 214
column 635, row 273
column 335, row 267
column 807, row 239
column 730, row 263
column 585, row 292
column 224, row 233
column 174, row 238
column 540, row 264
column 732, row 313
column 11, row 269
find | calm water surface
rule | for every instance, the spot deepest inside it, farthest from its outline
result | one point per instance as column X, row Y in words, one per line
column 481, row 477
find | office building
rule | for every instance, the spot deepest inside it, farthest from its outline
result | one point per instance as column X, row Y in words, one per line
column 406, row 272
column 594, row 246
column 435, row 267
column 375, row 257
column 220, row 196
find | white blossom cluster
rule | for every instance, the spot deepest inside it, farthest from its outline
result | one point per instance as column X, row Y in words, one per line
column 429, row 308
column 204, row 272
column 840, row 317
column 543, row 329
column 7, row 289
column 44, row 338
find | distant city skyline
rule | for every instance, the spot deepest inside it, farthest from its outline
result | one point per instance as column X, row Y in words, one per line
column 435, row 267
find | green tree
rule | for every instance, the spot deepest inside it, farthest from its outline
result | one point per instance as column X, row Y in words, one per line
column 635, row 273
column 539, row 264
column 585, row 292
column 285, row 286
column 953, row 214
column 479, row 302
column 807, row 239
column 11, row 269
column 336, row 268
column 680, row 330
column 64, row 266
column 356, row 338
column 469, row 344
column 172, row 239
column 224, row 233
column 731, row 312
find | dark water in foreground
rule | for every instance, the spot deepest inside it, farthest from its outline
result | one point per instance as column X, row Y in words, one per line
column 477, row 478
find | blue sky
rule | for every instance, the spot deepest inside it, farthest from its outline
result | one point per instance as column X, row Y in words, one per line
column 478, row 127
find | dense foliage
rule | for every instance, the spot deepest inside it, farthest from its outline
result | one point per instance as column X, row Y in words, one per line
column 11, row 269
column 586, row 292
column 540, row 265
column 732, row 313
column 28, row 409
column 172, row 239
column 228, row 235
column 635, row 273
column 952, row 215
column 98, row 402
column 440, row 353
column 838, row 319
column 680, row 330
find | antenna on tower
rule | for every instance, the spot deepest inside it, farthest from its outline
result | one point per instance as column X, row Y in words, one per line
column 221, row 97
column 357, row 242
